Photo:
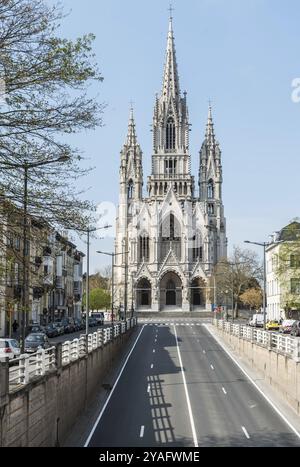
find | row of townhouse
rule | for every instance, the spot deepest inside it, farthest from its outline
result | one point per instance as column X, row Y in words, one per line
column 54, row 272
column 283, row 274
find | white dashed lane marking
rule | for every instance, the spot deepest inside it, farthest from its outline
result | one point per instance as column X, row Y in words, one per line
column 245, row 432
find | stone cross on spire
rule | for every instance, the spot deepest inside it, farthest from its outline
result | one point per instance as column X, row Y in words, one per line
column 170, row 79
column 210, row 133
column 131, row 140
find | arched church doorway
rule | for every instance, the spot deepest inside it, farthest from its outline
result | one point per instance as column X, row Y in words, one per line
column 170, row 291
column 197, row 292
column 143, row 290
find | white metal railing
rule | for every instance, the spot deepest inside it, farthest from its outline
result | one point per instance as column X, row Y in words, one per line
column 274, row 341
column 29, row 366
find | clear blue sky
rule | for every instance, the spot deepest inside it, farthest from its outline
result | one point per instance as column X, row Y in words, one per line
column 241, row 54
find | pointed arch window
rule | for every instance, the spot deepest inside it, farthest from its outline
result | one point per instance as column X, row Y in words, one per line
column 130, row 189
column 144, row 248
column 197, row 248
column 210, row 189
column 170, row 134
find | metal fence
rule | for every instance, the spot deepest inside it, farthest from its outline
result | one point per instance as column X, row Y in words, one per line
column 274, row 341
column 29, row 366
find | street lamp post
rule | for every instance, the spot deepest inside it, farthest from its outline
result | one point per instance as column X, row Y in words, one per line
column 264, row 245
column 26, row 166
column 88, row 230
column 112, row 279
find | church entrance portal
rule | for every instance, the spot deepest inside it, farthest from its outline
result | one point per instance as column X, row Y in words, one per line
column 198, row 292
column 170, row 291
column 143, row 290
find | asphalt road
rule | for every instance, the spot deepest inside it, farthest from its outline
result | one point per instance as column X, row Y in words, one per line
column 179, row 388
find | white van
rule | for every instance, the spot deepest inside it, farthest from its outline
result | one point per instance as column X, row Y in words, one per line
column 257, row 321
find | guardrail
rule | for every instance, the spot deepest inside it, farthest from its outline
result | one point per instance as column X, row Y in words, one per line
column 271, row 340
column 29, row 366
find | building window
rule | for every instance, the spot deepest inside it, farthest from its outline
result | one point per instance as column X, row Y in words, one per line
column 17, row 243
column 210, row 190
column 17, row 274
column 170, row 134
column 144, row 248
column 211, row 209
column 170, row 167
column 295, row 286
column 130, row 189
column 295, row 261
column 197, row 248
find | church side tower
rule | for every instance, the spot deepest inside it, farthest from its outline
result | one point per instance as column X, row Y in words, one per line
column 210, row 189
column 131, row 189
column 131, row 170
column 171, row 159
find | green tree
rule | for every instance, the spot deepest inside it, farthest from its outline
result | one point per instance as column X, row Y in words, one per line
column 235, row 275
column 46, row 79
column 99, row 299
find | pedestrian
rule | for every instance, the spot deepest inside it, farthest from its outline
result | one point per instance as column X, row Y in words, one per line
column 15, row 326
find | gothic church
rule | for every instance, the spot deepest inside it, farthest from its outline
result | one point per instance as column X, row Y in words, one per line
column 168, row 242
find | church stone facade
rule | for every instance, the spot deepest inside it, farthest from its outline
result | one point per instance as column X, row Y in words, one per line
column 168, row 241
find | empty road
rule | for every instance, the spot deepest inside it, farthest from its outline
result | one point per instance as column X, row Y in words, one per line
column 179, row 388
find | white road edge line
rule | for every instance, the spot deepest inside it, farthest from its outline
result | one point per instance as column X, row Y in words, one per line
column 246, row 432
column 111, row 392
column 187, row 394
column 142, row 431
column 254, row 384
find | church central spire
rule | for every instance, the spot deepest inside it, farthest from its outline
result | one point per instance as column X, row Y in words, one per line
column 170, row 78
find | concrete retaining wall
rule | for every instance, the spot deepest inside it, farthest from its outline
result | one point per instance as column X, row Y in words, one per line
column 42, row 412
column 280, row 371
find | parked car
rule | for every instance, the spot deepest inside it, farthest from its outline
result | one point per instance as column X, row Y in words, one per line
column 257, row 321
column 35, row 341
column 99, row 317
column 272, row 325
column 51, row 330
column 295, row 330
column 68, row 324
column 78, row 324
column 92, row 322
column 286, row 326
column 60, row 327
column 35, row 327
column 9, row 348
